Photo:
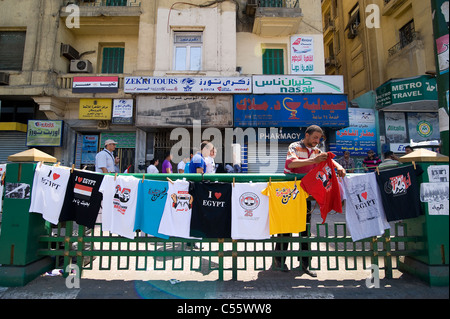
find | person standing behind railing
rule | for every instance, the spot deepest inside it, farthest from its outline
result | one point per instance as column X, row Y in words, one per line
column 347, row 162
column 302, row 157
column 371, row 162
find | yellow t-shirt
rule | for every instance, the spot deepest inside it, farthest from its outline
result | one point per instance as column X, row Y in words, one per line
column 287, row 207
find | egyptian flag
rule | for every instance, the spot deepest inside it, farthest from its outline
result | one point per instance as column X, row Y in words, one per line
column 82, row 192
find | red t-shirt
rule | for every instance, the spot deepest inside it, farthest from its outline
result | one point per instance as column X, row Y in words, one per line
column 322, row 184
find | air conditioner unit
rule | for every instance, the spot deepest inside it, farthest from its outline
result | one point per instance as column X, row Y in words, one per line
column 69, row 52
column 4, row 78
column 80, row 66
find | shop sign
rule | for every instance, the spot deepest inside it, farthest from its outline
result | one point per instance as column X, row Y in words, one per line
column 95, row 109
column 122, row 111
column 406, row 90
column 302, row 55
column 44, row 133
column 329, row 110
column 360, row 136
column 282, row 135
column 295, row 84
column 183, row 110
column 166, row 84
column 124, row 140
column 95, row 84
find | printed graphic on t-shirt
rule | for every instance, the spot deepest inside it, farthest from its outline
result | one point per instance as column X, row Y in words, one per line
column 181, row 201
column 121, row 196
column 363, row 199
column 325, row 175
column 157, row 193
column 50, row 180
column 398, row 185
column 82, row 190
column 249, row 202
column 286, row 194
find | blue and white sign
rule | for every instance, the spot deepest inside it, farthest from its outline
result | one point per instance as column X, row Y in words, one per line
column 188, row 85
column 360, row 136
column 327, row 110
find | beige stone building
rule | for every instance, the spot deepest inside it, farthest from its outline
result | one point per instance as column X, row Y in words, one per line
column 382, row 46
column 70, row 61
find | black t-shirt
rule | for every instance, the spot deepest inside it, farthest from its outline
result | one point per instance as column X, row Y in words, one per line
column 211, row 210
column 400, row 193
column 82, row 201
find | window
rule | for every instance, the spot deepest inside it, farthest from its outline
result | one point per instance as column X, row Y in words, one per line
column 407, row 34
column 113, row 60
column 17, row 111
column 12, row 45
column 188, row 51
column 273, row 61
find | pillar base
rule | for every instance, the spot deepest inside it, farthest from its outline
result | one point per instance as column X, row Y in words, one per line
column 434, row 275
column 18, row 276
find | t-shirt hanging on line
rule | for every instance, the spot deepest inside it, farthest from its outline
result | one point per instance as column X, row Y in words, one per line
column 287, row 207
column 83, row 199
column 364, row 213
column 150, row 208
column 119, row 204
column 49, row 190
column 211, row 210
column 249, row 212
column 322, row 184
column 400, row 193
column 176, row 218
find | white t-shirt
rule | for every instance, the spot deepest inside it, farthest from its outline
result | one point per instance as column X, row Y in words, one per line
column 249, row 211
column 119, row 204
column 151, row 169
column 176, row 218
column 2, row 171
column 48, row 191
column 210, row 165
column 364, row 211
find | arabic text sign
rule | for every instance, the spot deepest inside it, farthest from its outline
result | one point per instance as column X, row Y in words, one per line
column 360, row 136
column 122, row 111
column 95, row 109
column 302, row 55
column 290, row 110
column 292, row 84
column 44, row 133
column 95, row 84
column 188, row 84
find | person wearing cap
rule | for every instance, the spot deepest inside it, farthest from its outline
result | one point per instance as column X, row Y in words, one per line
column 105, row 161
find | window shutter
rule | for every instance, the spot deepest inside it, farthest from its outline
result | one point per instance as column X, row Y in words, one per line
column 113, row 59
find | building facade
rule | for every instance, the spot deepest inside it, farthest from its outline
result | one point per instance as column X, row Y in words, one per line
column 75, row 73
column 385, row 50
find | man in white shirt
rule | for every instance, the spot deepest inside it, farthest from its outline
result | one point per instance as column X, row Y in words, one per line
column 105, row 161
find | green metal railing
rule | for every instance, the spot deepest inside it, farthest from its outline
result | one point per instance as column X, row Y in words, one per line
column 331, row 246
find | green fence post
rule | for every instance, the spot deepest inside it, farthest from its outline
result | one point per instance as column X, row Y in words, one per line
column 20, row 230
column 432, row 265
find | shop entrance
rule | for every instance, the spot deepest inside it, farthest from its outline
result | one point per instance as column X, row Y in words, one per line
column 89, row 144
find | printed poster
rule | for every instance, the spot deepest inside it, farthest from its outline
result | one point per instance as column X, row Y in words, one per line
column 302, row 55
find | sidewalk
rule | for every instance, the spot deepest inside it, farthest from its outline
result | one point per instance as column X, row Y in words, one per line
column 269, row 284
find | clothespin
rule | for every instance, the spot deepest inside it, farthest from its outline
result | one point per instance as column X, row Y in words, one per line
column 270, row 180
column 57, row 164
column 233, row 181
column 84, row 168
column 378, row 171
column 169, row 180
column 73, row 167
column 115, row 176
column 40, row 164
column 143, row 177
column 3, row 179
column 414, row 164
column 295, row 180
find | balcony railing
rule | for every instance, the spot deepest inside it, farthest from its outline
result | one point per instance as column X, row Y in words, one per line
column 65, row 81
column 404, row 41
column 278, row 3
